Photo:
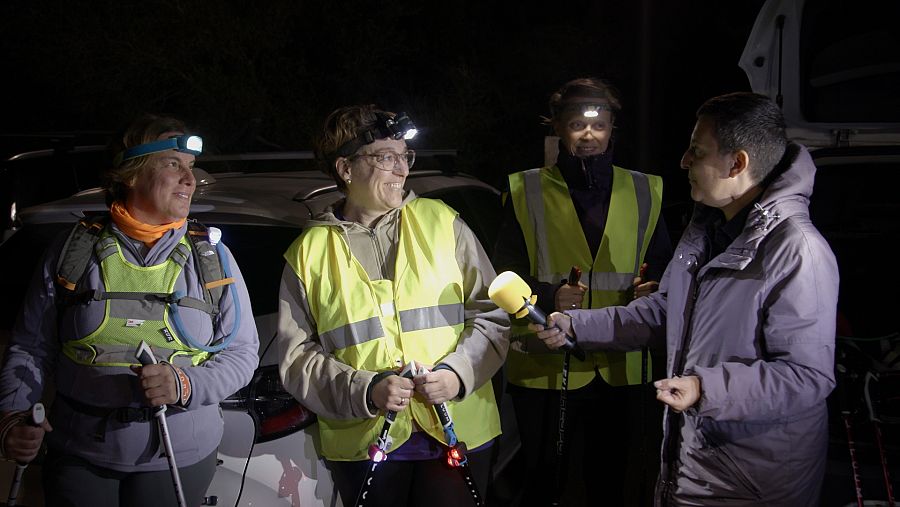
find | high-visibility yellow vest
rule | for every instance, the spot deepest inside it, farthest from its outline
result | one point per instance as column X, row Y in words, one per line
column 382, row 324
column 556, row 241
column 135, row 310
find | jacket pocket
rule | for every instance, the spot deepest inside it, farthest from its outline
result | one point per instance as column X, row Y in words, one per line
column 728, row 463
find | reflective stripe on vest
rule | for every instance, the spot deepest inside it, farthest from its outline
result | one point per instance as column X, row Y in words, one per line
column 555, row 242
column 382, row 324
column 135, row 310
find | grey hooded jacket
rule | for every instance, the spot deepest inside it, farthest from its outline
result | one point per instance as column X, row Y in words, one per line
column 34, row 359
column 756, row 324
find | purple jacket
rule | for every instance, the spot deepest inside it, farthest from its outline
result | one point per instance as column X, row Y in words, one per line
column 757, row 324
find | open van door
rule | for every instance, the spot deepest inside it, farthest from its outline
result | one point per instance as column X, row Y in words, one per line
column 833, row 66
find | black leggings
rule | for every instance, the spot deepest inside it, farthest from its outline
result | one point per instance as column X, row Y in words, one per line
column 430, row 483
column 72, row 481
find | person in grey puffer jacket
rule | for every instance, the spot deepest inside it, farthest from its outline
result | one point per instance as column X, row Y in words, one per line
column 747, row 309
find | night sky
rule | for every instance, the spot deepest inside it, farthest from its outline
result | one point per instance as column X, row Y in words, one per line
column 474, row 76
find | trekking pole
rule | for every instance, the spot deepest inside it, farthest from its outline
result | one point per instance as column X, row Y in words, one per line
column 456, row 453
column 377, row 454
column 145, row 356
column 35, row 418
column 846, row 414
column 876, row 426
column 456, row 450
column 378, row 450
column 561, row 429
column 645, row 380
column 574, row 278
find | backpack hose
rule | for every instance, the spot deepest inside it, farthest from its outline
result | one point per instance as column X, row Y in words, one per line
column 182, row 332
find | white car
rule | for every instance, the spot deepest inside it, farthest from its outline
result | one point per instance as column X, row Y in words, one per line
column 261, row 201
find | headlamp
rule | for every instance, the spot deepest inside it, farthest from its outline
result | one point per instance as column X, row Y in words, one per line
column 587, row 109
column 183, row 144
column 592, row 110
column 398, row 127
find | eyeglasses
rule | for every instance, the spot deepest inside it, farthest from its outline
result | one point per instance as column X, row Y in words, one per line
column 388, row 160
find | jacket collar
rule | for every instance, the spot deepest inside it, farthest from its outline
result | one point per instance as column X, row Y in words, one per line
column 332, row 216
column 787, row 193
column 588, row 172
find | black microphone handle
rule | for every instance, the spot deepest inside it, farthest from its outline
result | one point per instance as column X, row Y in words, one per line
column 538, row 316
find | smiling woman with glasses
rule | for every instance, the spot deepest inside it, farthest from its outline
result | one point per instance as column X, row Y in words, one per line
column 380, row 280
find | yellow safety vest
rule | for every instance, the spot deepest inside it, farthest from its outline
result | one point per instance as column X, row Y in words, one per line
column 378, row 325
column 556, row 241
column 134, row 311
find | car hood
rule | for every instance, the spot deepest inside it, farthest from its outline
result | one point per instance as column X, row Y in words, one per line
column 834, row 67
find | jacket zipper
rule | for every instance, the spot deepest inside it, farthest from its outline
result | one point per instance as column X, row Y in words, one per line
column 378, row 253
column 674, row 430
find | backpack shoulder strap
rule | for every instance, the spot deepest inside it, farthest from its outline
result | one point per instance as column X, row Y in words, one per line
column 208, row 263
column 77, row 250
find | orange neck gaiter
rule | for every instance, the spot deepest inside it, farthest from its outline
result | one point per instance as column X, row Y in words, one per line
column 138, row 230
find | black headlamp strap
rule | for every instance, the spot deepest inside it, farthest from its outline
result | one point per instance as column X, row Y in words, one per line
column 364, row 136
column 385, row 126
column 349, row 148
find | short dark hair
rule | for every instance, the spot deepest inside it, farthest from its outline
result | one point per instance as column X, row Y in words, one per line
column 585, row 87
column 144, row 129
column 750, row 122
column 341, row 126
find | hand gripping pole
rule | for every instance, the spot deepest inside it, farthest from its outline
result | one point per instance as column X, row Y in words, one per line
column 378, row 450
column 145, row 356
column 35, row 417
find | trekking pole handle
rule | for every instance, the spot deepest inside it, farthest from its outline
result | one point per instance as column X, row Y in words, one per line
column 574, row 276
column 144, row 355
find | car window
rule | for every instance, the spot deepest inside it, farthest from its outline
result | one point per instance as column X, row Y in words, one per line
column 850, row 67
column 46, row 178
column 440, row 160
column 259, row 255
column 19, row 257
column 855, row 206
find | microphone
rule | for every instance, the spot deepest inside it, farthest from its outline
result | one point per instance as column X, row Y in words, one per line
column 510, row 292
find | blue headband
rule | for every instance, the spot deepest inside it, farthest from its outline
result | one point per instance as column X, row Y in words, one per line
column 182, row 143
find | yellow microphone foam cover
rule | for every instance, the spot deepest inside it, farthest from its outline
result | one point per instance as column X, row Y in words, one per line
column 509, row 291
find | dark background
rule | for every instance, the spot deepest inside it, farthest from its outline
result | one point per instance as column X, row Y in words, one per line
column 473, row 75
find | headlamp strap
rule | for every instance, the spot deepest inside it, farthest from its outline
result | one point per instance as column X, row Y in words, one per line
column 385, row 127
column 183, row 143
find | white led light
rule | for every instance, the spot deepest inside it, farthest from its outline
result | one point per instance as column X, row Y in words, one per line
column 411, row 133
column 194, row 143
column 215, row 235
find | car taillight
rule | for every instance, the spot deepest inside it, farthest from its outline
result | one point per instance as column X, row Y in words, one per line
column 275, row 412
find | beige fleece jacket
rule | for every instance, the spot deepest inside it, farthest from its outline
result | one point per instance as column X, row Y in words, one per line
column 333, row 389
